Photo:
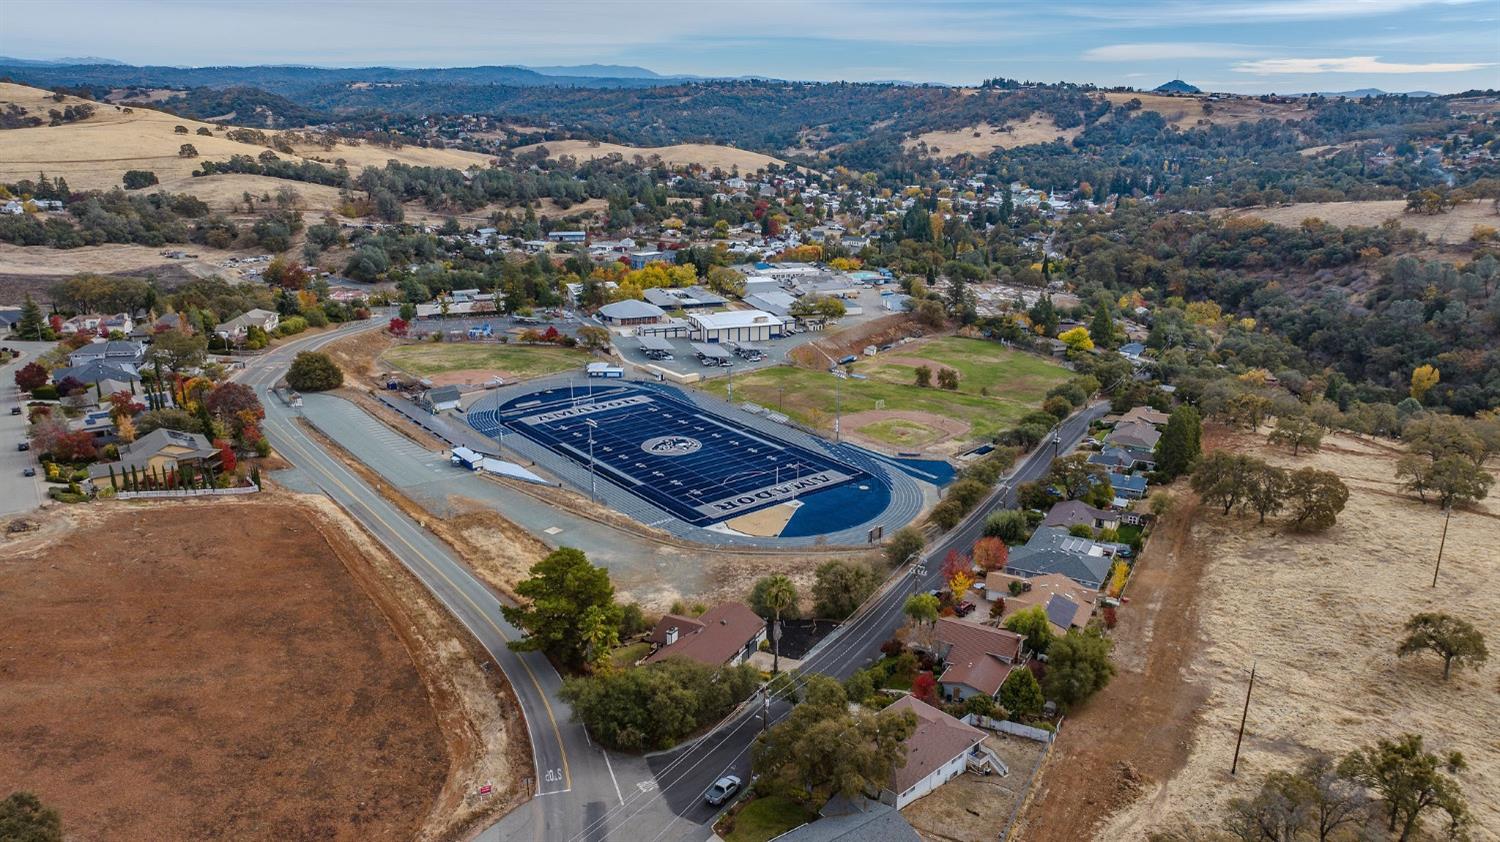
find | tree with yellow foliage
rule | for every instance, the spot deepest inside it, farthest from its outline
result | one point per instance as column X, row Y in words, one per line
column 1423, row 378
column 1077, row 340
column 1204, row 313
column 846, row 264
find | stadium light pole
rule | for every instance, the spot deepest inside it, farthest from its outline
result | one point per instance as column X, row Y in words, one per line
column 593, row 489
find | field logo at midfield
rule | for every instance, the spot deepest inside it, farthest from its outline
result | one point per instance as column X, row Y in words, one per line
column 671, row 446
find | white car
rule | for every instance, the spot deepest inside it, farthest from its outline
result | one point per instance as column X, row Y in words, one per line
column 722, row 789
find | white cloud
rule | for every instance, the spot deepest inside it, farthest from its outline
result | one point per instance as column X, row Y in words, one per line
column 1351, row 64
column 1166, row 50
column 1190, row 12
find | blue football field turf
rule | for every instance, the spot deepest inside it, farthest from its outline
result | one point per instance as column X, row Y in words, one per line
column 699, row 466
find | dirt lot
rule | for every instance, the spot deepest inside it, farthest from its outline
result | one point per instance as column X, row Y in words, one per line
column 683, row 154
column 1322, row 615
column 1452, row 227
column 166, row 678
column 973, row 807
column 984, row 138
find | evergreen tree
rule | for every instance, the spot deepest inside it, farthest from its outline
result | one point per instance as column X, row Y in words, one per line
column 32, row 326
column 1103, row 328
column 1181, row 443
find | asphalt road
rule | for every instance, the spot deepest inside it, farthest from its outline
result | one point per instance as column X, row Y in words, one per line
column 575, row 780
column 585, row 793
column 17, row 493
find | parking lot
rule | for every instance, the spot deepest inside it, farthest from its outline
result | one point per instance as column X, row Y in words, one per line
column 17, row 493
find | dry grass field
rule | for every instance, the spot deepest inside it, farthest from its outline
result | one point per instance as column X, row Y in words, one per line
column 1186, row 111
column 986, row 138
column 683, row 154
column 1321, row 615
column 1453, row 227
column 112, row 258
column 94, row 153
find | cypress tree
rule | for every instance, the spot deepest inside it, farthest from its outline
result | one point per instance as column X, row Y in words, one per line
column 1180, row 444
column 112, row 486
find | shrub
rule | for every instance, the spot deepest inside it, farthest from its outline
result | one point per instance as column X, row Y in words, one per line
column 136, row 179
column 314, row 372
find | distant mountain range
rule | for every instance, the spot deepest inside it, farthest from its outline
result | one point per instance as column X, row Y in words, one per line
column 1360, row 93
column 57, row 62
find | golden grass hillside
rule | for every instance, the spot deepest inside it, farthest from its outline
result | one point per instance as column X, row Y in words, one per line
column 1321, row 615
column 93, row 154
column 683, row 154
column 1455, row 226
column 1184, row 112
column 986, row 138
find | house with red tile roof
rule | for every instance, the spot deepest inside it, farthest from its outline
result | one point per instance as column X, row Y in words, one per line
column 727, row 633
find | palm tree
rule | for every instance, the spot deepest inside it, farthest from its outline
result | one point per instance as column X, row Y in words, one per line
column 779, row 595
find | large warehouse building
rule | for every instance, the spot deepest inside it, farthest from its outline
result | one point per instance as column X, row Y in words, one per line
column 735, row 326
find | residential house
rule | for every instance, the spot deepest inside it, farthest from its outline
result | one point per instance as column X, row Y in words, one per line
column 83, row 323
column 1133, row 351
column 237, row 327
column 630, row 312
column 936, row 752
column 849, row 819
column 105, row 378
column 1132, row 487
column 1145, row 415
column 1053, row 550
column 1120, row 460
column 727, row 633
column 120, row 352
column 1136, row 435
column 977, row 658
column 642, row 259
column 9, row 318
column 1068, row 604
column 159, row 452
column 1071, row 513
column 123, row 322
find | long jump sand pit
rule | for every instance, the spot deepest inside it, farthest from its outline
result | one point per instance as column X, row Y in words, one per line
column 202, row 671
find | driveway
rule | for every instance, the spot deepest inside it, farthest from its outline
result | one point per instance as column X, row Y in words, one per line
column 17, row 493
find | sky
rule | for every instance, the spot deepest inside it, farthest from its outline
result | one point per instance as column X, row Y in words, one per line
column 1237, row 46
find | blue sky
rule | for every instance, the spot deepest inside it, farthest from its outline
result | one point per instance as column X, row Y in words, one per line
column 1225, row 45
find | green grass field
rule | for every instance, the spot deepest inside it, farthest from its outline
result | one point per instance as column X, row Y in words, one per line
column 996, row 387
column 766, row 818
column 518, row 361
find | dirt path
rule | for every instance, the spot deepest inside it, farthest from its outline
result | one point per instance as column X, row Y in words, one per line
column 1137, row 732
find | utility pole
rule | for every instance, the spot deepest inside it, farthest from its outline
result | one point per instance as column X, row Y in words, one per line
column 1447, row 515
column 730, row 393
column 1243, row 716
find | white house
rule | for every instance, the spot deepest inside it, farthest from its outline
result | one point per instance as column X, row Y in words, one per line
column 735, row 326
column 936, row 752
column 235, row 328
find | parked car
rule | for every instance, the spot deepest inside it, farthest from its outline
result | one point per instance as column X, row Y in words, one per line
column 964, row 609
column 25, row 445
column 28, row 472
column 15, row 410
column 722, row 789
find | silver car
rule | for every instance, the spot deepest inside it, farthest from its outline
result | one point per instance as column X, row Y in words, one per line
column 722, row 789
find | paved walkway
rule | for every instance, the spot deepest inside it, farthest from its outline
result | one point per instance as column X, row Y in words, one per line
column 430, row 480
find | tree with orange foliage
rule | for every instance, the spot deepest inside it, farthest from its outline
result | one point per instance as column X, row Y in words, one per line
column 991, row 554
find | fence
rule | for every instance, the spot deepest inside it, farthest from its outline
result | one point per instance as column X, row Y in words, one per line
column 1029, row 790
column 185, row 492
column 1016, row 729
